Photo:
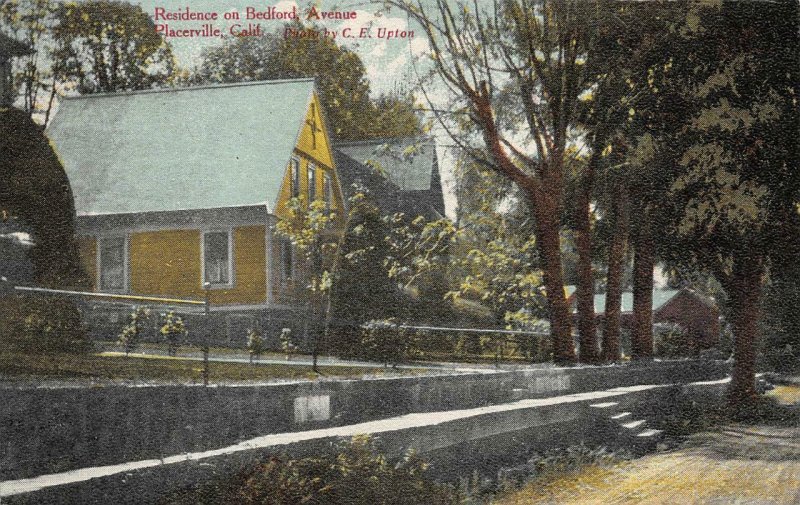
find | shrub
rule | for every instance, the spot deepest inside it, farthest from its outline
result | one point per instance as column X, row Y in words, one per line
column 130, row 335
column 255, row 343
column 672, row 341
column 39, row 325
column 174, row 331
column 384, row 341
column 357, row 475
column 287, row 344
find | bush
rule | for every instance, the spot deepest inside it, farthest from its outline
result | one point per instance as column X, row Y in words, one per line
column 384, row 341
column 174, row 331
column 255, row 343
column 131, row 334
column 672, row 341
column 357, row 475
column 39, row 325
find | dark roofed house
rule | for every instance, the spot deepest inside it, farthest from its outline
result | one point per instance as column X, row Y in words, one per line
column 402, row 173
column 698, row 315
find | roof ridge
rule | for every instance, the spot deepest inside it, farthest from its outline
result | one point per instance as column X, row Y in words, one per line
column 382, row 140
column 177, row 89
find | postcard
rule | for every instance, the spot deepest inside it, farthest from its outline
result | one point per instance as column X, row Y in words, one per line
column 399, row 252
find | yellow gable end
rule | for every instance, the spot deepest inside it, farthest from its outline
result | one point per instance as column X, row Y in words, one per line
column 313, row 140
column 312, row 153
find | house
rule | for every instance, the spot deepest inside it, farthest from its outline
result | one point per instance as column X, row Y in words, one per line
column 698, row 315
column 9, row 49
column 180, row 189
column 402, row 174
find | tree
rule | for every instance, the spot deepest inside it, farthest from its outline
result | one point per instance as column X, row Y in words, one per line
column 515, row 71
column 362, row 289
column 32, row 21
column 315, row 233
column 737, row 185
column 340, row 75
column 110, row 45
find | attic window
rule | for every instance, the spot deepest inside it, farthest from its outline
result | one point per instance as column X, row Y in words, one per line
column 217, row 256
column 112, row 263
column 295, row 169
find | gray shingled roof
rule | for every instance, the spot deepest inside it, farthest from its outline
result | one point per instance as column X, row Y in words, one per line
column 180, row 149
column 407, row 162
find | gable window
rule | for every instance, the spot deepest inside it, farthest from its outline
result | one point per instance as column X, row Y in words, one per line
column 217, row 258
column 295, row 169
column 312, row 182
column 287, row 259
column 112, row 263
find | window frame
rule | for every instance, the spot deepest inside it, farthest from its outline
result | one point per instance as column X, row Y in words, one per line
column 294, row 177
column 125, row 263
column 327, row 189
column 231, row 273
column 311, row 179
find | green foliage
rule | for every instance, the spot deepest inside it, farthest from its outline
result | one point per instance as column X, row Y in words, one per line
column 384, row 341
column 131, row 334
column 110, row 45
column 41, row 326
column 174, row 331
column 287, row 345
column 362, row 289
column 255, row 343
column 357, row 475
column 31, row 21
column 672, row 341
column 34, row 190
column 340, row 76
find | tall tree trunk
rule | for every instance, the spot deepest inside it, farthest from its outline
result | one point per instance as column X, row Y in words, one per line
column 549, row 246
column 587, row 328
column 616, row 264
column 745, row 296
column 643, row 264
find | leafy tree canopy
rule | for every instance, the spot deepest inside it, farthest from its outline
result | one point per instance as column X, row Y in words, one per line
column 341, row 81
column 110, row 45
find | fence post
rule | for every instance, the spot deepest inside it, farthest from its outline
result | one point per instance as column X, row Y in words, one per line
column 207, row 288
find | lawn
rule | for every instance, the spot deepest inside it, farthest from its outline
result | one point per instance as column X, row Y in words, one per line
column 157, row 369
column 737, row 465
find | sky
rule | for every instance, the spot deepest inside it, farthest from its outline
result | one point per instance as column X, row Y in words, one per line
column 387, row 61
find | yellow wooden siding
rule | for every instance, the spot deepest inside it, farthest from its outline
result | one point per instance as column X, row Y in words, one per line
column 321, row 149
column 165, row 263
column 168, row 263
column 320, row 157
column 249, row 269
column 87, row 249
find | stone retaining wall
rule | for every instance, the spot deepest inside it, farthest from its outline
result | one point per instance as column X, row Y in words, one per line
column 55, row 430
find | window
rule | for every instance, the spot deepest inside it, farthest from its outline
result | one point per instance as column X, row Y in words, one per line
column 295, row 168
column 328, row 191
column 112, row 252
column 287, row 259
column 312, row 182
column 217, row 265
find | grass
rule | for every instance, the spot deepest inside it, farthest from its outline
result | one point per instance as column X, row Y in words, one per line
column 156, row 369
column 703, row 472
